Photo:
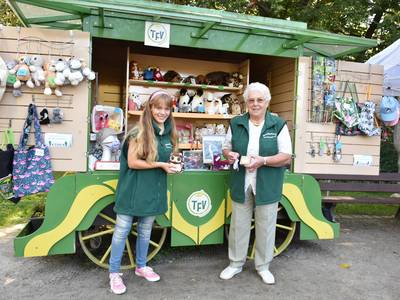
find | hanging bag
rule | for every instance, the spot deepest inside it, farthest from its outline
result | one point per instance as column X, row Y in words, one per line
column 346, row 109
column 32, row 171
column 6, row 166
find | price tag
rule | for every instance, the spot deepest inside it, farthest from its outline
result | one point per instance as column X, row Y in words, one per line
column 39, row 152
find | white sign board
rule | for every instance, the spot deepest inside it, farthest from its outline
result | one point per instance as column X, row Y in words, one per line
column 58, row 140
column 157, row 34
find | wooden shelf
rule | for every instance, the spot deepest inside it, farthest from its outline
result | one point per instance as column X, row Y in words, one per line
column 187, row 85
column 190, row 115
column 189, row 146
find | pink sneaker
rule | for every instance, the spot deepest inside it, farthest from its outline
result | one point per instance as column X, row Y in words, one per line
column 147, row 273
column 117, row 286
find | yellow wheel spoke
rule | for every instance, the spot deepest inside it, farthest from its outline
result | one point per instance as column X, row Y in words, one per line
column 154, row 244
column 128, row 247
column 284, row 227
column 275, row 250
column 90, row 236
column 104, row 216
column 105, row 255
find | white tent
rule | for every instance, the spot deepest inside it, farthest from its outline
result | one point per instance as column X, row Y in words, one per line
column 390, row 59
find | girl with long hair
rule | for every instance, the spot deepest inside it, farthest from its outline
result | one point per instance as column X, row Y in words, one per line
column 142, row 184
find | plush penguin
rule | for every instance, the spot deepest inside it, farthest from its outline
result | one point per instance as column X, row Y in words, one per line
column 44, row 117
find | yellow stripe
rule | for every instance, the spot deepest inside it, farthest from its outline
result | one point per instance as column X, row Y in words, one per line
column 86, row 198
column 229, row 204
column 168, row 212
column 180, row 224
column 216, row 222
column 295, row 197
column 112, row 183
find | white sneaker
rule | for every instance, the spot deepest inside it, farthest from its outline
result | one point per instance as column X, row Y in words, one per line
column 267, row 277
column 229, row 272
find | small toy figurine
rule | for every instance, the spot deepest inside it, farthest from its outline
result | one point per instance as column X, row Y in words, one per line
column 176, row 159
column 157, row 75
column 148, row 74
column 134, row 70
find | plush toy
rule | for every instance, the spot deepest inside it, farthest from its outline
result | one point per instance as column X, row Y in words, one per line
column 87, row 72
column 201, row 79
column 36, row 68
column 185, row 98
column 61, row 66
column 172, row 76
column 176, row 159
column 157, row 75
column 22, row 73
column 198, row 101
column 134, row 102
column 220, row 129
column 218, row 78
column 44, row 117
column 58, row 116
column 74, row 72
column 190, row 79
column 12, row 78
column 236, row 80
column 209, row 104
column 234, row 105
column 134, row 70
column 148, row 73
column 50, row 76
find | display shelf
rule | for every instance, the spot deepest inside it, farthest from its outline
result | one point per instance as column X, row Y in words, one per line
column 186, row 85
column 189, row 146
column 190, row 115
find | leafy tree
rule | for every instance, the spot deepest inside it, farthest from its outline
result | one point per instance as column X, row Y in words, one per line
column 7, row 16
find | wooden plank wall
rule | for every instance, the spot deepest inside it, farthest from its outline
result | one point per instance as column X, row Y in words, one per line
column 283, row 88
column 74, row 103
column 306, row 132
column 109, row 60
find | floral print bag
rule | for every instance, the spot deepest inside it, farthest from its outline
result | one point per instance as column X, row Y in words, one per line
column 32, row 171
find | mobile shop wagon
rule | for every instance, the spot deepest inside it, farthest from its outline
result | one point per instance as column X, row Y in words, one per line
column 190, row 41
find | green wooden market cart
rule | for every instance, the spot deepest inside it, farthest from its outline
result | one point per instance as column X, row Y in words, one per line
column 111, row 35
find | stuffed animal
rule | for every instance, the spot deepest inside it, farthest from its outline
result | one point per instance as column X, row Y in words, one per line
column 198, row 101
column 87, row 72
column 201, row 79
column 209, row 104
column 172, row 76
column 218, row 78
column 12, row 78
column 190, row 79
column 74, row 72
column 185, row 98
column 61, row 66
column 22, row 73
column 36, row 67
column 44, row 117
column 236, row 80
column 234, row 105
column 58, row 116
column 134, row 70
column 148, row 73
column 157, row 75
column 50, row 76
column 134, row 102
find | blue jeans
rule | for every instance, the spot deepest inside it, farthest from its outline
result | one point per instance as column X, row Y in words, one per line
column 121, row 232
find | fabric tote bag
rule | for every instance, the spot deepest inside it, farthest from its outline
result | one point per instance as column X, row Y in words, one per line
column 6, row 166
column 32, row 171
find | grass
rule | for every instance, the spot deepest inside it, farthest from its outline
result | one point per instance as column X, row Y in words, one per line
column 365, row 209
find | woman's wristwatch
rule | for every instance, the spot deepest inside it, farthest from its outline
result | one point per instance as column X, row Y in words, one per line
column 265, row 160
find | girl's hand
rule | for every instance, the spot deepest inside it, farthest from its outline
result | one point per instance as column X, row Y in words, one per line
column 255, row 162
column 169, row 168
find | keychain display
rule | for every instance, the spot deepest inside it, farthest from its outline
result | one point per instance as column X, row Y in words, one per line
column 322, row 145
column 337, row 153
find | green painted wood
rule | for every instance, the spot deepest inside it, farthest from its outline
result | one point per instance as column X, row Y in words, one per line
column 53, row 19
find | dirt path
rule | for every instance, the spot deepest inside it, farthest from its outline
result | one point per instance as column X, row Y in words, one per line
column 369, row 247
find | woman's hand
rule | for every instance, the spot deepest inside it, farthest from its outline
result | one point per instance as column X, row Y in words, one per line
column 255, row 162
column 169, row 168
column 232, row 156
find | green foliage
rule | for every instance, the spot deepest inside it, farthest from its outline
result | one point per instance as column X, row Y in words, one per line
column 7, row 16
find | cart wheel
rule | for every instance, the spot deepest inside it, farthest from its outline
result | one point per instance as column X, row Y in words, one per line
column 96, row 241
column 285, row 230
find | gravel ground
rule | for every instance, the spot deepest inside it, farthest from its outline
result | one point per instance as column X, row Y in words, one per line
column 364, row 263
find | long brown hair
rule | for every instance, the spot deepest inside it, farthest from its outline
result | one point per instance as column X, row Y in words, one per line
column 142, row 136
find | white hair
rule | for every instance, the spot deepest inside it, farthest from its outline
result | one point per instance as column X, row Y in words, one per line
column 259, row 87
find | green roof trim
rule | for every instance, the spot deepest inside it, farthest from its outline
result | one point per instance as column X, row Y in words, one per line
column 193, row 27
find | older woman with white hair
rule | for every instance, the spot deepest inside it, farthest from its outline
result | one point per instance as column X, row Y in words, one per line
column 261, row 141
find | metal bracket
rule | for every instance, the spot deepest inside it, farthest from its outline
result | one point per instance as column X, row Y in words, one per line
column 202, row 33
column 300, row 41
column 101, row 23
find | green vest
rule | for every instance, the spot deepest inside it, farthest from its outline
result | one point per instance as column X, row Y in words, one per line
column 269, row 179
column 144, row 192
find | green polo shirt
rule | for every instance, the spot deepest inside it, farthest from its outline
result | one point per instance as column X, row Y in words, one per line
column 143, row 192
column 269, row 179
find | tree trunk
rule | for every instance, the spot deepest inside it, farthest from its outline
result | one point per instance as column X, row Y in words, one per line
column 396, row 143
